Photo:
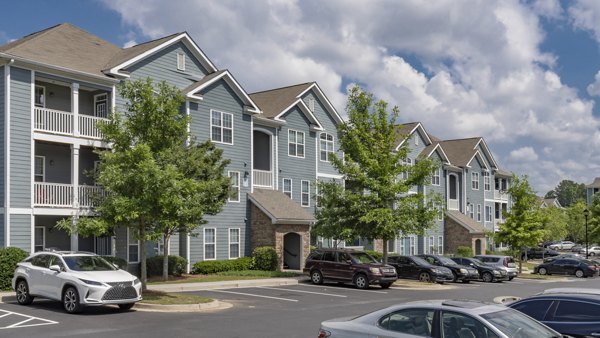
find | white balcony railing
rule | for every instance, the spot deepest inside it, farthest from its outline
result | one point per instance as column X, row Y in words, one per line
column 60, row 195
column 500, row 195
column 62, row 123
column 262, row 178
column 452, row 204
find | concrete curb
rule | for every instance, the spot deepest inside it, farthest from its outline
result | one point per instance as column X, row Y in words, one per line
column 215, row 305
column 188, row 287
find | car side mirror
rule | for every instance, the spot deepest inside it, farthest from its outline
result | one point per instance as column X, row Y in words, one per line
column 55, row 268
column 116, row 265
column 349, row 261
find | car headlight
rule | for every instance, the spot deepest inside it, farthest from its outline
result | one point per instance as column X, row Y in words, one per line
column 137, row 281
column 375, row 270
column 463, row 270
column 497, row 272
column 91, row 282
column 436, row 271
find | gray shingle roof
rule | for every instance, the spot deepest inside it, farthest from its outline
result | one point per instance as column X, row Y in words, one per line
column 204, row 80
column 465, row 221
column 595, row 184
column 461, row 151
column 273, row 102
column 128, row 53
column 279, row 207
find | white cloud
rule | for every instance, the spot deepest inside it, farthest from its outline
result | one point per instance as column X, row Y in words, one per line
column 480, row 69
column 594, row 88
column 585, row 15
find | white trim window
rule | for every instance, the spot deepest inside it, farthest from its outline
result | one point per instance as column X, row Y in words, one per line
column 133, row 247
column 234, row 243
column 401, row 246
column 487, row 186
column 326, row 146
column 488, row 213
column 478, row 212
column 471, row 210
column 287, row 187
column 210, row 244
column 408, row 162
column 413, row 246
column 305, row 193
column 440, row 250
column 435, row 177
column 440, row 213
column 234, row 194
column 39, row 169
column 39, row 99
column 101, row 105
column 39, row 238
column 475, row 181
column 295, row 143
column 181, row 61
column 221, row 127
column 431, row 244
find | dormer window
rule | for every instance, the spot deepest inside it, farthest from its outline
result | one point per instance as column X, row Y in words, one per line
column 181, row 61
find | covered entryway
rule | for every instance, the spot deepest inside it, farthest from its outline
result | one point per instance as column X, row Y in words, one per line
column 461, row 230
column 292, row 251
column 478, row 248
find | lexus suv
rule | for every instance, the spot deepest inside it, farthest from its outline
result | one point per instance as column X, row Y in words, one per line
column 76, row 279
column 350, row 266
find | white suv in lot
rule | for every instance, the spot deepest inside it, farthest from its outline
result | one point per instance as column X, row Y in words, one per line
column 76, row 279
column 562, row 245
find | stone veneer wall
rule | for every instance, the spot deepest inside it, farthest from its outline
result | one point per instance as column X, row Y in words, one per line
column 265, row 233
column 456, row 235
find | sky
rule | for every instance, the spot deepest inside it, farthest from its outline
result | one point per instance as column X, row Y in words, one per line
column 524, row 75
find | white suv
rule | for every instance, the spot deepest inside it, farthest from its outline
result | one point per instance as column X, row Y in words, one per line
column 562, row 245
column 76, row 279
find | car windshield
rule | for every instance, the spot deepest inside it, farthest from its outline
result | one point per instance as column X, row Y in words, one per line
column 88, row 263
column 420, row 261
column 515, row 324
column 363, row 257
column 446, row 260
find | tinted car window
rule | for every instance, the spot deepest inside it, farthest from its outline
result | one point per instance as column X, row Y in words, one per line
column 536, row 308
column 418, row 260
column 510, row 322
column 343, row 257
column 572, row 311
column 460, row 325
column 412, row 321
column 363, row 257
column 55, row 260
column 315, row 256
column 41, row 261
column 329, row 256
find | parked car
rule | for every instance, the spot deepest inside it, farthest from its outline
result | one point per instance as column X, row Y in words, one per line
column 349, row 266
column 504, row 262
column 460, row 273
column 567, row 266
column 577, row 248
column 593, row 251
column 570, row 311
column 417, row 268
column 538, row 253
column 487, row 273
column 76, row 279
column 563, row 256
column 437, row 319
column 562, row 245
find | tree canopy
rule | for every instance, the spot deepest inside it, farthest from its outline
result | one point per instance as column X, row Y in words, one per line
column 375, row 202
column 567, row 192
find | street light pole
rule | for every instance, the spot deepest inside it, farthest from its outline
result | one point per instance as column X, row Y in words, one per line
column 586, row 213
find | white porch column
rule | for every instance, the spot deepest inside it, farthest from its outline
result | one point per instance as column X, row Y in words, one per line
column 75, row 107
column 75, row 196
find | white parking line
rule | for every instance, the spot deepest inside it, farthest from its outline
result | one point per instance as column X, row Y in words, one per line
column 320, row 286
column 300, row 291
column 254, row 295
column 22, row 323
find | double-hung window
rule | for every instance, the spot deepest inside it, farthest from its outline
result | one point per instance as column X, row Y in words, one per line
column 487, row 186
column 221, row 127
column 210, row 244
column 326, row 145
column 440, row 250
column 475, row 181
column 305, row 190
column 287, row 187
column 407, row 162
column 295, row 143
column 471, row 209
column 234, row 243
column 39, row 172
column 431, row 244
column 488, row 213
column 435, row 177
column 234, row 194
column 133, row 247
column 478, row 212
column 40, row 239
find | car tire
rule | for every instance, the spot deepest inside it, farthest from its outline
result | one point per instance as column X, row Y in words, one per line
column 316, row 277
column 542, row 271
column 425, row 277
column 361, row 281
column 579, row 273
column 487, row 277
column 385, row 285
column 70, row 300
column 23, row 296
column 454, row 277
column 466, row 281
column 126, row 306
column 591, row 254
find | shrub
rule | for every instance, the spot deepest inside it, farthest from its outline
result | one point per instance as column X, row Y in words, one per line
column 376, row 254
column 265, row 258
column 121, row 262
column 154, row 265
column 208, row 267
column 9, row 257
column 464, row 251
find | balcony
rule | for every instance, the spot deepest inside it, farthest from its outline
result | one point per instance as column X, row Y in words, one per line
column 59, row 195
column 500, row 195
column 63, row 123
column 452, row 204
column 262, row 178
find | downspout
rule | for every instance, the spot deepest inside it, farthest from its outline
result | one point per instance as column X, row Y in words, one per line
column 7, row 152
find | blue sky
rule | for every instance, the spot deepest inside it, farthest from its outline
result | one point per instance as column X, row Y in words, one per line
column 522, row 74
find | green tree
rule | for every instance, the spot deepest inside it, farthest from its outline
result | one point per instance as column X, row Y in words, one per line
column 594, row 220
column 523, row 225
column 554, row 223
column 375, row 203
column 576, row 222
column 158, row 181
column 568, row 192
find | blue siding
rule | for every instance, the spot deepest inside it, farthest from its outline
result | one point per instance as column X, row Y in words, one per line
column 2, row 116
column 219, row 96
column 297, row 168
column 20, row 140
column 475, row 197
column 20, row 231
column 438, row 228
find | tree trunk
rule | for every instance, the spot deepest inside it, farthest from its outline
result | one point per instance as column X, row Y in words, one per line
column 142, row 242
column 165, row 274
column 385, row 251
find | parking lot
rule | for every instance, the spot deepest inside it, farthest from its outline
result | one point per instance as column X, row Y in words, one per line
column 290, row 311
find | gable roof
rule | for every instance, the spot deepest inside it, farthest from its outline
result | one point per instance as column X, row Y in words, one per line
column 406, row 129
column 595, row 184
column 279, row 207
column 466, row 222
column 461, row 151
column 275, row 101
column 435, row 147
column 65, row 46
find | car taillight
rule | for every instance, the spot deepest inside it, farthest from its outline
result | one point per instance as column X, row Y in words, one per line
column 323, row 334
